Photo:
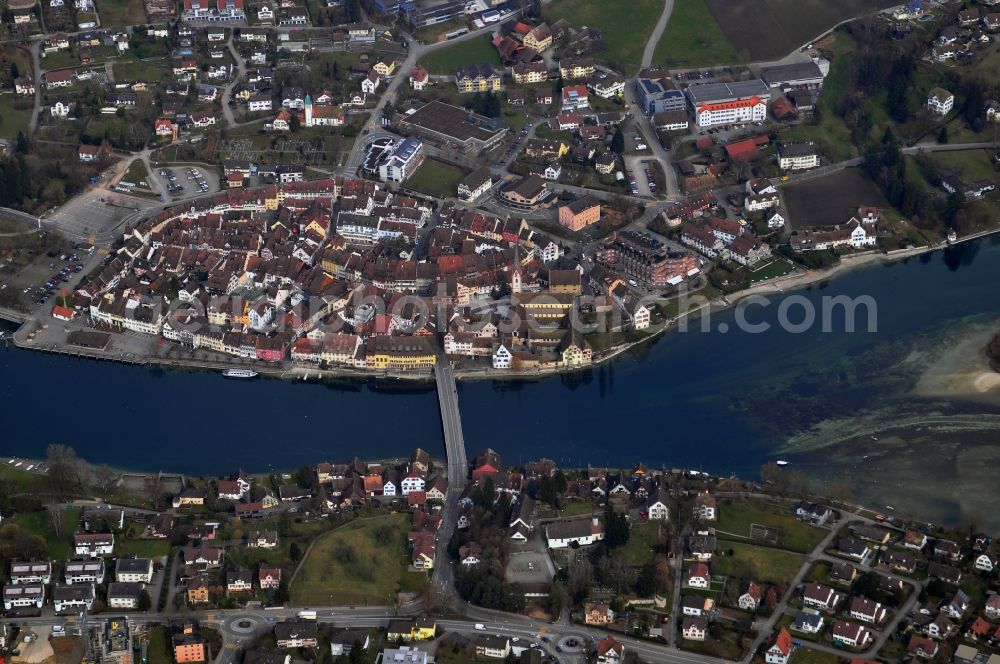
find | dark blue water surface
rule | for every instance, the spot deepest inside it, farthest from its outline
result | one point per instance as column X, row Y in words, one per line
column 723, row 402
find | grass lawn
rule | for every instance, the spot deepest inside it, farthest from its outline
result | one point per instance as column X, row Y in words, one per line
column 436, row 178
column 432, row 33
column 142, row 548
column 348, row 566
column 59, row 60
column 515, row 118
column 15, row 114
column 639, row 549
column 19, row 481
column 159, row 651
column 756, row 562
column 142, row 70
column 693, row 39
column 38, row 523
column 793, row 534
column 577, row 508
column 805, row 655
column 625, row 32
column 137, row 173
column 119, row 13
column 973, row 164
column 475, row 51
column 769, row 269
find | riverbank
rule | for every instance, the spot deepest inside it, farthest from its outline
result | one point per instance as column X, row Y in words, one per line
column 290, row 371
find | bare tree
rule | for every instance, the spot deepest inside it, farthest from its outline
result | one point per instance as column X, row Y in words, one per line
column 105, row 478
column 65, row 470
column 57, row 518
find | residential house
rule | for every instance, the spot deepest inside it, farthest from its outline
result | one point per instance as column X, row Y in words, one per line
column 780, row 650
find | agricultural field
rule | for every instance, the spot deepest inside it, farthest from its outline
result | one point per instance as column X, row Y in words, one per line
column 735, row 520
column 436, row 178
column 693, row 39
column 475, row 51
column 624, row 32
column 762, row 563
column 831, row 199
column 771, row 29
column 365, row 560
column 121, row 13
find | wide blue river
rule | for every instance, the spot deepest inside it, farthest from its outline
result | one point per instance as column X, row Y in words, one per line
column 721, row 402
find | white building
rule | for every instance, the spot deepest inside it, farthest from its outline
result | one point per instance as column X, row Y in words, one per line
column 23, row 595
column 728, row 103
column 797, row 156
column 402, row 160
column 940, row 101
column 94, row 544
column 580, row 532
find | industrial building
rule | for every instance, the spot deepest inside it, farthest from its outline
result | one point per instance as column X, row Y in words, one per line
column 727, row 103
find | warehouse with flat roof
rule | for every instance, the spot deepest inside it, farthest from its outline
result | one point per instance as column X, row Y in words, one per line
column 798, row 74
column 445, row 123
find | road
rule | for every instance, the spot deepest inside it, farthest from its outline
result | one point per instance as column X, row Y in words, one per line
column 227, row 110
column 443, row 580
column 654, row 39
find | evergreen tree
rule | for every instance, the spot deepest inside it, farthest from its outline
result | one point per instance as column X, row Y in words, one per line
column 942, row 136
column 618, row 141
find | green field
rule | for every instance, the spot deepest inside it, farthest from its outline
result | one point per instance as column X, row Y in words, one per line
column 142, row 70
column 973, row 164
column 639, row 549
column 349, row 566
column 40, row 524
column 794, row 535
column 436, row 178
column 19, row 481
column 760, row 563
column 693, row 39
column 159, row 651
column 15, row 114
column 808, row 656
column 142, row 548
column 475, row 51
column 625, row 31
column 137, row 173
column 769, row 268
column 120, row 13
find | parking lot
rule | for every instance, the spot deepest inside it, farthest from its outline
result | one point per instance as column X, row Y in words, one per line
column 529, row 567
column 40, row 282
column 95, row 216
column 186, row 181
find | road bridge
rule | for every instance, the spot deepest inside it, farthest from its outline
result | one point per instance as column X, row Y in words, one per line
column 458, row 470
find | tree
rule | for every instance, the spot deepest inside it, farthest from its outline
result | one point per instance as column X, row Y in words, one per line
column 616, row 529
column 942, row 136
column 295, row 552
column 645, row 585
column 294, row 124
column 57, row 519
column 618, row 141
column 105, row 479
column 145, row 601
column 15, row 73
column 65, row 471
column 304, row 476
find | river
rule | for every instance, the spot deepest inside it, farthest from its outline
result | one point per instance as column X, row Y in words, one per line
column 838, row 405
